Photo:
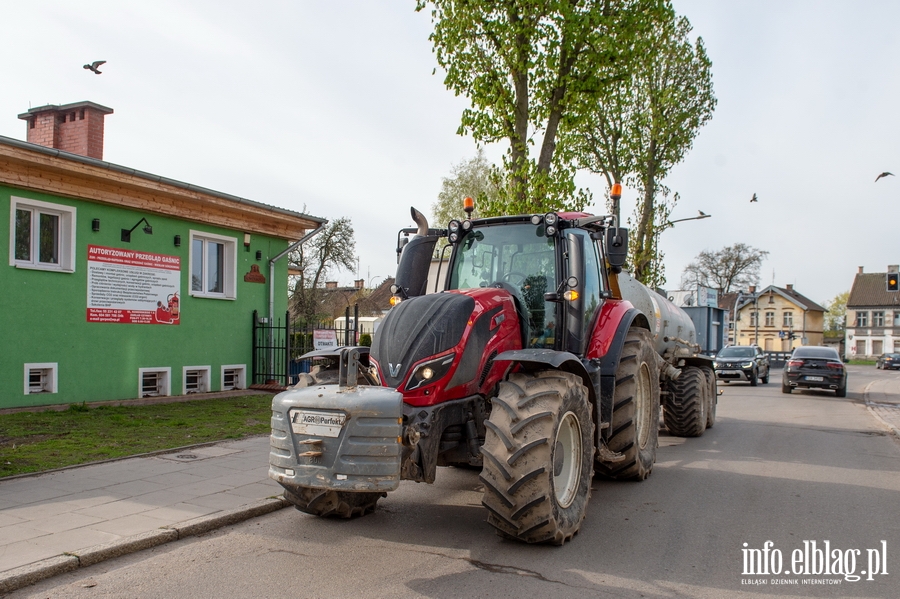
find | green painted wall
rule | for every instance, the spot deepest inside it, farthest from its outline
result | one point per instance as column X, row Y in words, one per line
column 43, row 314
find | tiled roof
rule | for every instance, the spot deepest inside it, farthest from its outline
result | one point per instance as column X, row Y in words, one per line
column 870, row 289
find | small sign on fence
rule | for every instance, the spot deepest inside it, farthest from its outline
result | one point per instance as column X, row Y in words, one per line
column 324, row 339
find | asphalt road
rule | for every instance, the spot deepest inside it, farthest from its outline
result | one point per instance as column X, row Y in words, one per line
column 790, row 469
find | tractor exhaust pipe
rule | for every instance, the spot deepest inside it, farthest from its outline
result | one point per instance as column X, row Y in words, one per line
column 420, row 221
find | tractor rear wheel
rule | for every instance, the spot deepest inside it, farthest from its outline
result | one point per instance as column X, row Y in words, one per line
column 684, row 413
column 635, row 418
column 538, row 457
column 331, row 503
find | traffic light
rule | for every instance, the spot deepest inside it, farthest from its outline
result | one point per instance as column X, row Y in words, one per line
column 893, row 281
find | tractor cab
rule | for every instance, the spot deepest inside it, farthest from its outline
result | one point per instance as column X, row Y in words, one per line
column 554, row 265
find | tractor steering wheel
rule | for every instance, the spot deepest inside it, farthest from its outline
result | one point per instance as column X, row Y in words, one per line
column 508, row 277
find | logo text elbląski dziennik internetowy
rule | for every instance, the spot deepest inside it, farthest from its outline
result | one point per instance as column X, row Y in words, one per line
column 813, row 559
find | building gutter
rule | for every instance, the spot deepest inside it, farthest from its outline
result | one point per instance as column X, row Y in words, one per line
column 272, row 262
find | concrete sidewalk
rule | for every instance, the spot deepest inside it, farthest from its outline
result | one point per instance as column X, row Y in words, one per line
column 59, row 521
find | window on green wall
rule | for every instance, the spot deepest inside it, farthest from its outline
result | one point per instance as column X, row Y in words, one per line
column 42, row 236
column 213, row 265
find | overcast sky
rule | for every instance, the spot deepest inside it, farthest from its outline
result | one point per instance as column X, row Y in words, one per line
column 331, row 108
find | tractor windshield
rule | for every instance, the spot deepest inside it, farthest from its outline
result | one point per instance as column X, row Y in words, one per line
column 518, row 255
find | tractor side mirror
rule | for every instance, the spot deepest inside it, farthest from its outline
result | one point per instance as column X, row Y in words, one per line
column 617, row 247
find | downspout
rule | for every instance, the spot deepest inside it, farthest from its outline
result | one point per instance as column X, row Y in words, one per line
column 272, row 262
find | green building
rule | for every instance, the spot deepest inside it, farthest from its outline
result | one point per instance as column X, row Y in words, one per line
column 120, row 284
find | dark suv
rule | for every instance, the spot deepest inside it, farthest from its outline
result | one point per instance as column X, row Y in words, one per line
column 742, row 363
column 888, row 361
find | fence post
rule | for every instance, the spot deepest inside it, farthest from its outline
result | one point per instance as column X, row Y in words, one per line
column 253, row 357
column 287, row 348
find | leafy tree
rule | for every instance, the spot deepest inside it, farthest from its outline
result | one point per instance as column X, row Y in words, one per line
column 528, row 67
column 733, row 267
column 470, row 178
column 643, row 126
column 835, row 317
column 331, row 249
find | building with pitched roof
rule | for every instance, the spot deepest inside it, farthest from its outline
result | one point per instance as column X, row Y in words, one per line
column 122, row 284
column 778, row 319
column 873, row 316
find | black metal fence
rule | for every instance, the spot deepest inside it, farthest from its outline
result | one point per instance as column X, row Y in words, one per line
column 277, row 346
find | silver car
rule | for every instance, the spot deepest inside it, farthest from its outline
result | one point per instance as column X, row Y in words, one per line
column 742, row 363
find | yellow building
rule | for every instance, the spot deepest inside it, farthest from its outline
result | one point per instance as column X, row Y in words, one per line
column 778, row 319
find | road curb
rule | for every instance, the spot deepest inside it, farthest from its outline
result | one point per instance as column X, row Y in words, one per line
column 29, row 574
column 870, row 406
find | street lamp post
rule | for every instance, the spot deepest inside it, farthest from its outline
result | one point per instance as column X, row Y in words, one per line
column 671, row 223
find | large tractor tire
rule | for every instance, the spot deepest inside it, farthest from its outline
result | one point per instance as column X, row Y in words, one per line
column 538, row 457
column 635, row 418
column 684, row 413
column 713, row 395
column 330, row 503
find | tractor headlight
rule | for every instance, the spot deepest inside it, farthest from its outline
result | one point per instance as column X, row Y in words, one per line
column 430, row 371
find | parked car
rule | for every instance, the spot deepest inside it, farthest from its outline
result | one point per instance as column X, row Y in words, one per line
column 815, row 368
column 888, row 361
column 742, row 363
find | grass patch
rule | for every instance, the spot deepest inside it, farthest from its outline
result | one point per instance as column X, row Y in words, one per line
column 862, row 362
column 37, row 441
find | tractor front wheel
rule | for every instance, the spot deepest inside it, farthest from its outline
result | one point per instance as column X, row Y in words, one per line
column 538, row 457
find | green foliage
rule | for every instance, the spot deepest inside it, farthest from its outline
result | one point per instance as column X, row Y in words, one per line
column 645, row 122
column 365, row 339
column 836, row 316
column 528, row 68
column 470, row 178
column 36, row 441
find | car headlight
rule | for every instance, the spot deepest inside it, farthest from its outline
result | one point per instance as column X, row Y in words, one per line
column 746, row 364
column 430, row 371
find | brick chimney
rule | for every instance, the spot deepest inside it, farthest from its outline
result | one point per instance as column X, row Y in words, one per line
column 75, row 128
column 330, row 284
column 860, row 271
column 358, row 283
column 789, row 286
column 752, row 289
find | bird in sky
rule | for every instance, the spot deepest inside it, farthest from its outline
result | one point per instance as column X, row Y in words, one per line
column 93, row 66
column 702, row 213
column 753, row 199
column 884, row 174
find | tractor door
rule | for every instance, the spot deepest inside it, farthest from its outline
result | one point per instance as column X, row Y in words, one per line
column 582, row 263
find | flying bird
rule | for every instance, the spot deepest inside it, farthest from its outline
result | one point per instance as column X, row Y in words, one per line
column 884, row 174
column 753, row 199
column 93, row 66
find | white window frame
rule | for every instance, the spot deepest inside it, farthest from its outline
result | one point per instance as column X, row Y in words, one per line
column 862, row 319
column 204, row 379
column 229, row 267
column 788, row 318
column 878, row 320
column 50, row 377
column 66, row 216
column 242, row 376
column 166, row 387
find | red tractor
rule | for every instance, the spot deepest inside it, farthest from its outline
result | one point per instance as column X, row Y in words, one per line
column 529, row 365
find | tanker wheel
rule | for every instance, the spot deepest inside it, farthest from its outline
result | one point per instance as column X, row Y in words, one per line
column 635, row 418
column 538, row 457
column 685, row 411
column 331, row 503
column 712, row 395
